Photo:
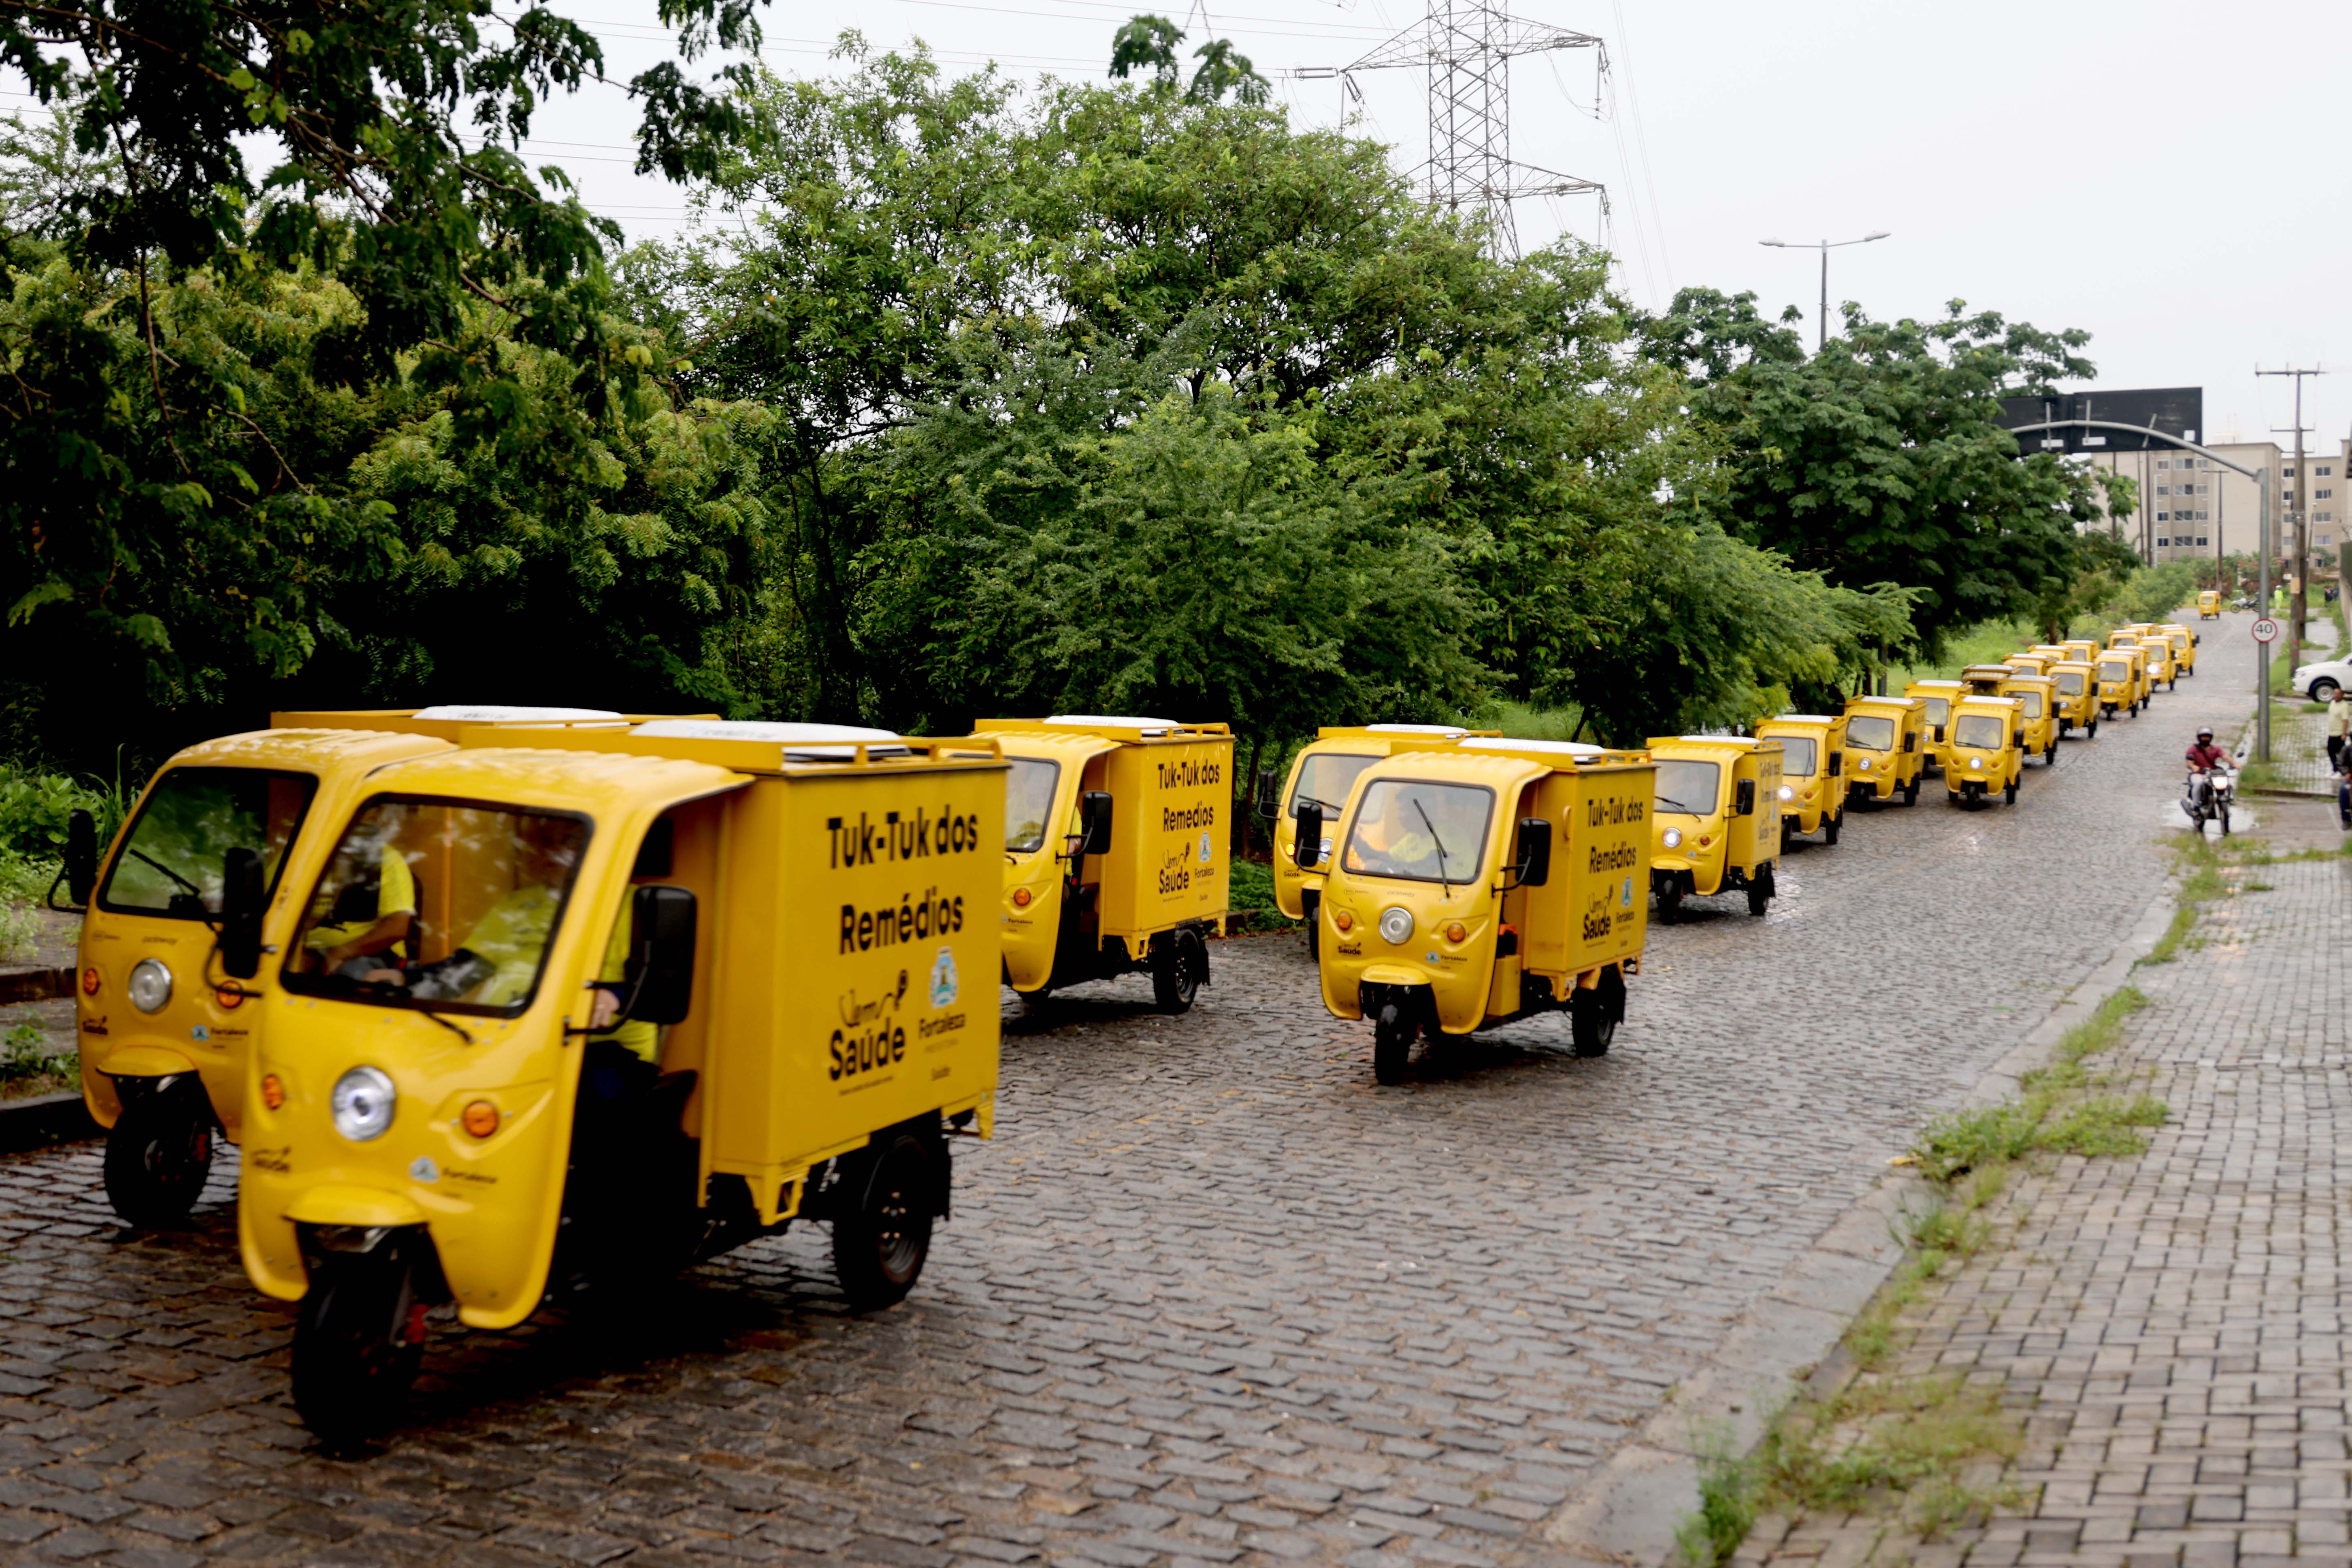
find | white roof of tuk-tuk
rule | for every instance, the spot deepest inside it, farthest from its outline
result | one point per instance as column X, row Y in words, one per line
column 1802, row 719
column 495, row 713
column 1871, row 697
column 1556, row 748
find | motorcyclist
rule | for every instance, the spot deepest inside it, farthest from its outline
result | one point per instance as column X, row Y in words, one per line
column 2205, row 756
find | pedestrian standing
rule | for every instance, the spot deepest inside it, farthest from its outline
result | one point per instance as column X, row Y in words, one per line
column 2339, row 724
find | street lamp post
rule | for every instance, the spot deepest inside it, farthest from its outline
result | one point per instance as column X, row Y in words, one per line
column 1824, row 246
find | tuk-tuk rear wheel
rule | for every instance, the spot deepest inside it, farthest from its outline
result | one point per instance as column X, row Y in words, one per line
column 357, row 1343
column 2010, row 791
column 1177, row 963
column 1393, row 1029
column 158, row 1155
column 1829, row 829
column 1911, row 792
column 1593, row 1015
column 883, row 1233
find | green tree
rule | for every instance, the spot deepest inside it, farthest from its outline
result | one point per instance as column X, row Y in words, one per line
column 1880, row 459
column 1149, row 42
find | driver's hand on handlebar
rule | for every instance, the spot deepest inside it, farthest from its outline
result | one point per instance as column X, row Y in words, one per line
column 603, row 1009
column 384, row 977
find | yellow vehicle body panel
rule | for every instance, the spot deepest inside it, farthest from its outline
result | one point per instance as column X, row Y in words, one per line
column 2080, row 705
column 2121, row 672
column 1719, row 840
column 1364, row 744
column 1995, row 768
column 1883, row 775
column 2159, row 650
column 1819, row 795
column 843, row 975
column 1170, row 840
column 193, row 1029
column 414, row 722
column 1939, row 696
column 2208, row 606
column 1592, row 913
column 2121, row 636
column 2039, row 715
column 2184, row 646
column 2083, row 651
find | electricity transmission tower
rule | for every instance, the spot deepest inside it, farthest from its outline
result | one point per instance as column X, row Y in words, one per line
column 1467, row 46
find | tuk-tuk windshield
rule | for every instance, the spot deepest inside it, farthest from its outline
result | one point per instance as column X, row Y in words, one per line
column 2113, row 669
column 1326, row 778
column 172, row 861
column 1871, row 732
column 1797, row 755
column 2033, row 700
column 1028, row 802
column 487, row 884
column 1980, row 732
column 1424, row 832
column 1686, row 787
column 2070, row 683
column 1938, row 708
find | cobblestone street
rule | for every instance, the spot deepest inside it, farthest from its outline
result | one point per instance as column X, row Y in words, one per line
column 1209, row 1295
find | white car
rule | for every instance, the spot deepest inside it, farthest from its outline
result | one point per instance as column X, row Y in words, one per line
column 2322, row 680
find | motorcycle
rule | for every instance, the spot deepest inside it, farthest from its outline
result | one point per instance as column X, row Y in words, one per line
column 2207, row 797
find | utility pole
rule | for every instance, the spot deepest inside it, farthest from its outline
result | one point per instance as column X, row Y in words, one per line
column 1821, row 336
column 1467, row 46
column 2296, row 604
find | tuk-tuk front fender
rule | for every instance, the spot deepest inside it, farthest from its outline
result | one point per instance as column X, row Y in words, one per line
column 341, row 1203
column 145, row 1061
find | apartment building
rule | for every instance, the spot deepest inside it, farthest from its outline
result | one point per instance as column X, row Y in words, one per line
column 2189, row 507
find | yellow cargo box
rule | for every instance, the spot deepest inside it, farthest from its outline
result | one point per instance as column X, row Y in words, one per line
column 1117, row 837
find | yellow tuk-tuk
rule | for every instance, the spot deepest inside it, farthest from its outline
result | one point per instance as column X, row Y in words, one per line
column 2034, row 661
column 1884, row 747
column 1716, row 827
column 676, row 989
column 1482, row 883
column 1939, row 696
column 1116, row 842
column 1813, row 772
column 2080, row 651
column 1988, row 753
column 2077, row 700
column 1324, row 772
column 2160, row 667
column 2121, row 673
column 1984, row 679
column 2208, row 606
column 2037, row 714
column 2184, row 646
column 163, row 1033
column 2048, row 654
column 2122, row 637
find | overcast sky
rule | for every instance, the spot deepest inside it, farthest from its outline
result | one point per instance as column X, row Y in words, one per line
column 2170, row 177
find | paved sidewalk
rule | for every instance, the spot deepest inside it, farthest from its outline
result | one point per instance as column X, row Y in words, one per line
column 2172, row 1328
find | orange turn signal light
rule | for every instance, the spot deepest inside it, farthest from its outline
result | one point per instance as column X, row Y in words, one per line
column 1456, row 932
column 230, row 997
column 1704, row 840
column 1343, row 920
column 1021, row 898
column 90, row 982
column 481, row 1119
column 273, row 1092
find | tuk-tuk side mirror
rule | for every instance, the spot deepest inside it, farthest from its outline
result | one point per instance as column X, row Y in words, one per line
column 1939, row 734
column 1744, row 798
column 81, row 855
column 659, row 974
column 1309, row 852
column 1837, row 764
column 1910, row 739
column 1269, row 792
column 1094, row 822
column 1535, row 851
column 240, row 928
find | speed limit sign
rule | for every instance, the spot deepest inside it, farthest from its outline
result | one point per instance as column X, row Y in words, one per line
column 2266, row 630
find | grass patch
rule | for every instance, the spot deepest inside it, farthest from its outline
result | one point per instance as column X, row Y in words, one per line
column 1249, row 898
column 29, row 1063
column 1928, row 1451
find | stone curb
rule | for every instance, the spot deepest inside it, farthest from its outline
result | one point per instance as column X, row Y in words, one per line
column 19, row 986
column 39, row 1121
column 1625, row 1513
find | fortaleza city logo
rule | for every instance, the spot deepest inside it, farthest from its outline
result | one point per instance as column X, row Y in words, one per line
column 899, row 836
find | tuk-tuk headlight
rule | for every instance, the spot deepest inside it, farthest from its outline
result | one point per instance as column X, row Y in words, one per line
column 1396, row 925
column 1866, row 764
column 151, row 984
column 1672, row 838
column 362, row 1104
column 1976, row 764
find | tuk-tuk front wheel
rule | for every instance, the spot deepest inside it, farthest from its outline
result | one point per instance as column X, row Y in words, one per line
column 1670, row 900
column 158, row 1153
column 357, row 1343
column 882, row 1233
column 1313, row 911
column 1180, row 962
column 1393, row 1029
